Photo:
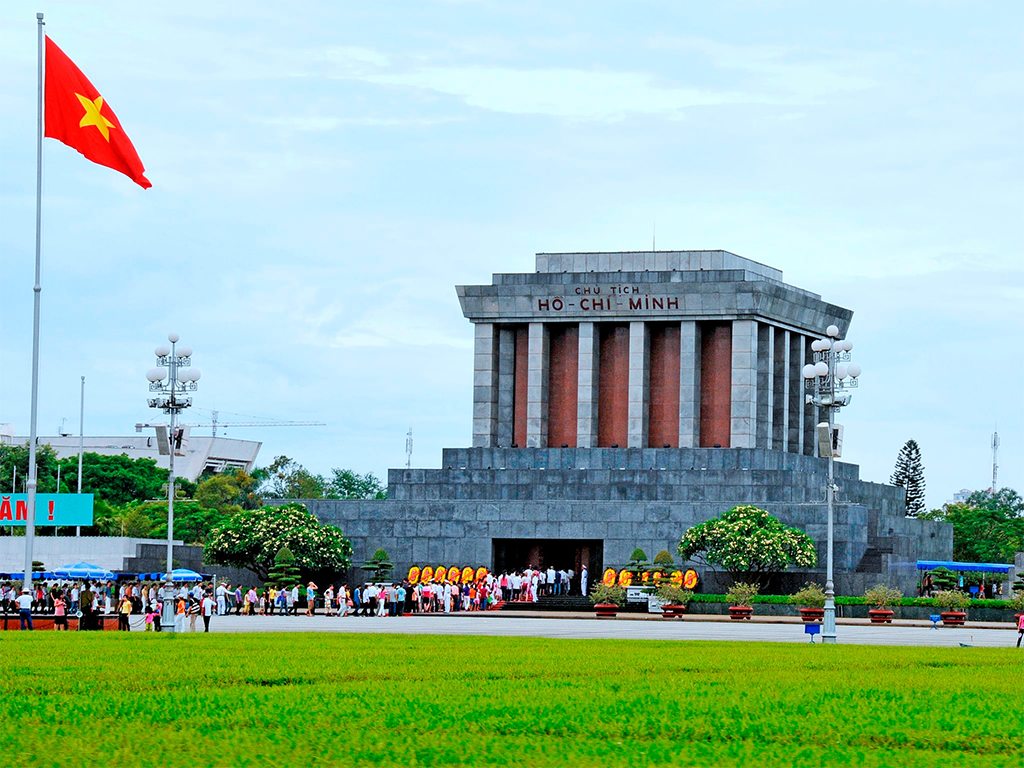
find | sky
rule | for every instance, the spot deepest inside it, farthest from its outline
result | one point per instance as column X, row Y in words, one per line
column 324, row 174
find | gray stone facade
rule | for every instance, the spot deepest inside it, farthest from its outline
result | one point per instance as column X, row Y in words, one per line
column 624, row 497
column 629, row 498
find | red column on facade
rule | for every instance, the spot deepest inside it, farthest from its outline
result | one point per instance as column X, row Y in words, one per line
column 563, row 383
column 613, row 386
column 663, row 405
column 715, row 384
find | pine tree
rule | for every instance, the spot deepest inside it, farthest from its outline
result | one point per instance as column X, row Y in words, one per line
column 909, row 474
column 284, row 572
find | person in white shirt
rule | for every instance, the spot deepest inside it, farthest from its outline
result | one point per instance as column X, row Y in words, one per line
column 293, row 600
column 208, row 606
column 222, row 601
column 24, row 601
column 583, row 581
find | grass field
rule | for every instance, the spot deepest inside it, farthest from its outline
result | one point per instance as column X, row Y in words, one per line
column 323, row 699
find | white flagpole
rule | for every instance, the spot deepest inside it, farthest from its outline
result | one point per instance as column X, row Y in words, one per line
column 81, row 441
column 30, row 524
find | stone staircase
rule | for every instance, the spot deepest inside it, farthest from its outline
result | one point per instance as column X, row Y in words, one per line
column 561, row 603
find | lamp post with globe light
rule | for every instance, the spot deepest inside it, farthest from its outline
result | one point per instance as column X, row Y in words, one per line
column 171, row 397
column 827, row 380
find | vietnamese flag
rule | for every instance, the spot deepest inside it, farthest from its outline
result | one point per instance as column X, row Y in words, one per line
column 77, row 115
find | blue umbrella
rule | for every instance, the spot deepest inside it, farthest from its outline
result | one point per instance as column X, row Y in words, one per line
column 184, row 574
column 82, row 571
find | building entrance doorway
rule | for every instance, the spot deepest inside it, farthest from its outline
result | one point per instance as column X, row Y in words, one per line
column 512, row 555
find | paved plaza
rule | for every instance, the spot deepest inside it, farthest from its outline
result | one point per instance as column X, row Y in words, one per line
column 568, row 627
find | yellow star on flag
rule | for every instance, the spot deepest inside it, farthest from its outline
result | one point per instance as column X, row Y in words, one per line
column 92, row 115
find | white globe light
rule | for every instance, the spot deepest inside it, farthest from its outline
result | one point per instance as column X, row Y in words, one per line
column 849, row 345
column 185, row 352
column 809, row 372
column 841, row 371
column 195, row 374
column 162, row 351
column 832, row 330
column 155, row 374
column 854, row 370
column 821, row 368
column 173, row 337
column 825, row 344
column 816, row 346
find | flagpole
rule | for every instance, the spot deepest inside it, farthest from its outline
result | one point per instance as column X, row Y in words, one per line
column 30, row 523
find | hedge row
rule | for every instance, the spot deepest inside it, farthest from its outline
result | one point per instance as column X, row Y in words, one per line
column 844, row 600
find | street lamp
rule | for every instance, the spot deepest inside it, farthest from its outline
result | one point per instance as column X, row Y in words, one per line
column 171, row 398
column 827, row 380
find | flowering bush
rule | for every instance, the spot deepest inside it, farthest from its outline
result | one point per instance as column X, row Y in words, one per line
column 749, row 544
column 251, row 539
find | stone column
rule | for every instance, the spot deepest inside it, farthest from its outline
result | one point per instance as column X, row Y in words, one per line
column 780, row 399
column 810, row 411
column 586, row 413
column 506, row 386
column 639, row 384
column 795, row 432
column 689, row 384
column 765, row 383
column 485, row 386
column 537, row 388
column 743, row 422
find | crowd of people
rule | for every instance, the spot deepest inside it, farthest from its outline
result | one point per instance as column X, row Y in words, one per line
column 139, row 604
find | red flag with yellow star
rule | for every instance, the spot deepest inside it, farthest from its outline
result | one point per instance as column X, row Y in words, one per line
column 77, row 115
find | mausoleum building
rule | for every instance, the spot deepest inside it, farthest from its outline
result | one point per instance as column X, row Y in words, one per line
column 619, row 399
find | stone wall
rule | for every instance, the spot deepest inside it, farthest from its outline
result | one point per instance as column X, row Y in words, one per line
column 628, row 498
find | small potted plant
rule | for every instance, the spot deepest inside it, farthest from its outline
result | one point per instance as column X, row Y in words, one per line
column 951, row 604
column 740, row 597
column 882, row 597
column 812, row 598
column 607, row 600
column 674, row 599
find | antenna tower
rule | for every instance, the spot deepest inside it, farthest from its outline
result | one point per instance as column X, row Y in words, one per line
column 995, row 461
column 408, row 449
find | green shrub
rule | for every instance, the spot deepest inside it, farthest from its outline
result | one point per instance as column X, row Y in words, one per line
column 811, row 596
column 882, row 596
column 615, row 595
column 664, row 558
column 741, row 593
column 670, row 594
column 1017, row 604
column 952, row 600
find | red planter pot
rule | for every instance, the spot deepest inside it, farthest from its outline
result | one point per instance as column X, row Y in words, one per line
column 606, row 610
column 954, row 618
column 740, row 612
column 812, row 615
column 673, row 611
column 881, row 615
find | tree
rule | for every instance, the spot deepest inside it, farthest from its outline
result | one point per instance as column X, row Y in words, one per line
column 287, row 479
column 987, row 528
column 909, row 474
column 229, row 492
column 346, row 484
column 284, row 572
column 252, row 538
column 749, row 544
column 379, row 565
column 15, row 457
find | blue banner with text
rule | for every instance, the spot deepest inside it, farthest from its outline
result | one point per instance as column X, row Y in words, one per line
column 51, row 509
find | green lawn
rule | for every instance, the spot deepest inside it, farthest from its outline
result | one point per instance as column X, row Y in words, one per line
column 322, row 699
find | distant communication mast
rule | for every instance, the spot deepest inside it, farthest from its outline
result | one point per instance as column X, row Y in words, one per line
column 408, row 449
column 995, row 461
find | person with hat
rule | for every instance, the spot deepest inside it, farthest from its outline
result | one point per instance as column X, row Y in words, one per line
column 24, row 601
column 311, row 599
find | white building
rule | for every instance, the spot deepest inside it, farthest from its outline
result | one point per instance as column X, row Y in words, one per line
column 214, row 454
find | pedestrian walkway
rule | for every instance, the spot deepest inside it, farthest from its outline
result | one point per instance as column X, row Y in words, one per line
column 643, row 628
